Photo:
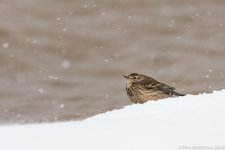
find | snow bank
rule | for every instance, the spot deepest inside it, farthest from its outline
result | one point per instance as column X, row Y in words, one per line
column 184, row 123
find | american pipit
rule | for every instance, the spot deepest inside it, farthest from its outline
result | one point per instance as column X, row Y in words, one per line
column 141, row 88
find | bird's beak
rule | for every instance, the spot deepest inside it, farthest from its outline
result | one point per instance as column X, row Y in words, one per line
column 126, row 77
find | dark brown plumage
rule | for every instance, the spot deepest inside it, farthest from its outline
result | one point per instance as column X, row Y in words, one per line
column 141, row 88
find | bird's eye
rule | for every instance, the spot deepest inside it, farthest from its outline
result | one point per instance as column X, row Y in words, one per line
column 135, row 77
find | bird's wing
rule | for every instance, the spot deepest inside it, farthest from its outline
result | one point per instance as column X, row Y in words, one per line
column 164, row 86
column 169, row 90
column 154, row 84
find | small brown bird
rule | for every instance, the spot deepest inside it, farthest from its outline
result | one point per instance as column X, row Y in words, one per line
column 141, row 88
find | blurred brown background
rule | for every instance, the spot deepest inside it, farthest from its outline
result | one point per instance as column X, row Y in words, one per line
column 64, row 60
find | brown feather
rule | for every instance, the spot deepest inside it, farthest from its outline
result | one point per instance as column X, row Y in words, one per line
column 141, row 88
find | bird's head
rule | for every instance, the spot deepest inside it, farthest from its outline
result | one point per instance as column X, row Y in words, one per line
column 134, row 77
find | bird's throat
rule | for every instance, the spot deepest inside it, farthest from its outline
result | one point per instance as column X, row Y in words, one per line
column 129, row 83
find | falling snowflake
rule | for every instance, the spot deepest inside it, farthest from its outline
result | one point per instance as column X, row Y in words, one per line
column 34, row 41
column 106, row 60
column 58, row 19
column 40, row 90
column 53, row 77
column 62, row 106
column 66, row 64
column 6, row 45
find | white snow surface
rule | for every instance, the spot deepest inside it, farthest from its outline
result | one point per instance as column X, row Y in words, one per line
column 183, row 123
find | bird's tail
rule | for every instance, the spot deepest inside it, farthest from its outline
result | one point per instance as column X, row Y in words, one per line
column 177, row 94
